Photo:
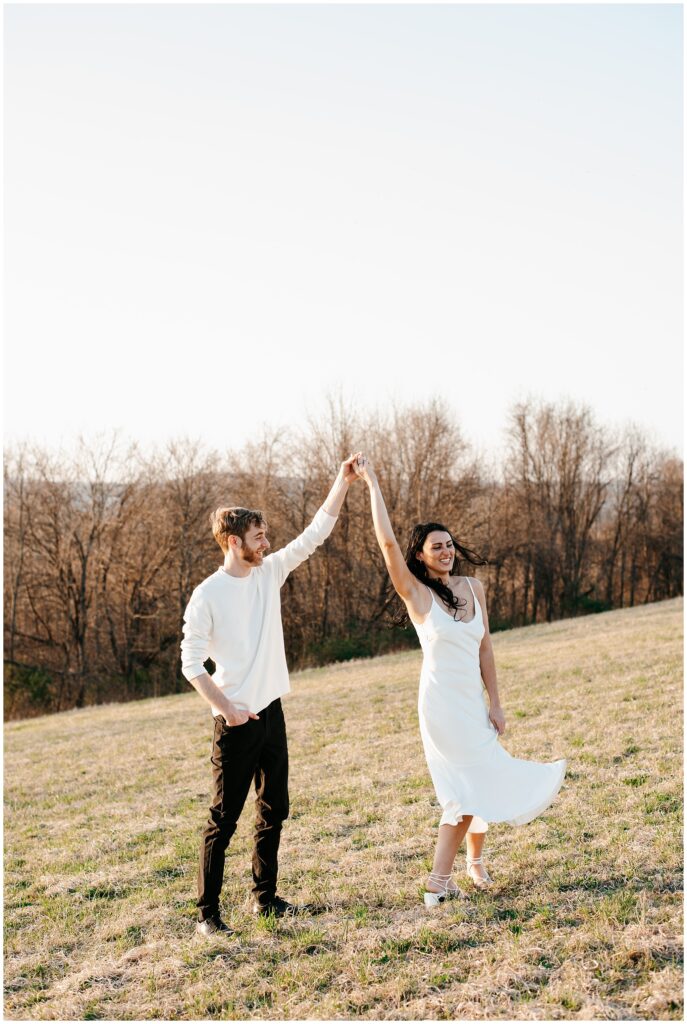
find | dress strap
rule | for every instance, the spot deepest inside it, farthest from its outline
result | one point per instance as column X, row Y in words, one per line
column 474, row 598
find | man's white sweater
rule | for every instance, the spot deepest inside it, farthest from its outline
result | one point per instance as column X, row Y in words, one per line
column 236, row 621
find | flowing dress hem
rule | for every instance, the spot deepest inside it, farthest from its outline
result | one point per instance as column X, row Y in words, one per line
column 452, row 816
column 524, row 819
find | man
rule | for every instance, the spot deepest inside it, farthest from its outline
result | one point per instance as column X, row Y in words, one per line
column 234, row 617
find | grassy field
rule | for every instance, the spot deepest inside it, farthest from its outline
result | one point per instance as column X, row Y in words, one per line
column 104, row 809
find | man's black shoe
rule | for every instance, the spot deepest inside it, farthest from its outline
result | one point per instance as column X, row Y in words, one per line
column 276, row 907
column 212, row 926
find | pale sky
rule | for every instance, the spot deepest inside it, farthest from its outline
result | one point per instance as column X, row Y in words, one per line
column 216, row 214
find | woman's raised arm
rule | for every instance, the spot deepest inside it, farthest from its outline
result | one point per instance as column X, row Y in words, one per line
column 407, row 586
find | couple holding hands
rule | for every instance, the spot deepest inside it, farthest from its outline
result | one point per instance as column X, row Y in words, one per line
column 234, row 618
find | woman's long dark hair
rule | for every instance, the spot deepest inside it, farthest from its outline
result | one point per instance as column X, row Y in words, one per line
column 418, row 536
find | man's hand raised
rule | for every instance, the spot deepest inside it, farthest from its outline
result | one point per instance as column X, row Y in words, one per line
column 346, row 476
column 348, row 469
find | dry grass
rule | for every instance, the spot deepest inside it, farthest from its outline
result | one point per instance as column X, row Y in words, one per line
column 105, row 808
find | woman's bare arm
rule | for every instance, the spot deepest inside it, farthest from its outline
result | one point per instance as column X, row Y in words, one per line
column 488, row 665
column 407, row 586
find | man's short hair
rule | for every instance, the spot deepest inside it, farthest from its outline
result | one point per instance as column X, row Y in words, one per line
column 234, row 520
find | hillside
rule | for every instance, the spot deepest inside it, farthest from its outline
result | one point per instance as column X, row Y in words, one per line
column 104, row 809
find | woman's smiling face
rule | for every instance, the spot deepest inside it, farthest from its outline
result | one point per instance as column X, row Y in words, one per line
column 438, row 552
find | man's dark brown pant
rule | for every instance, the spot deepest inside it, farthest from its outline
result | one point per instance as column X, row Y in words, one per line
column 240, row 754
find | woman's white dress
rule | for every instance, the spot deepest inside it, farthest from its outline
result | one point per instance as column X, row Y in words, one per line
column 471, row 772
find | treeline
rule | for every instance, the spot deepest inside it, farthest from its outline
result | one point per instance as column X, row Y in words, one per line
column 103, row 547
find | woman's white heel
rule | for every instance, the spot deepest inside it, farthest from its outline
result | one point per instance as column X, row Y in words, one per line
column 478, row 882
column 434, row 899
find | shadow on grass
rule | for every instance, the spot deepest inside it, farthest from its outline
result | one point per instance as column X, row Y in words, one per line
column 596, row 885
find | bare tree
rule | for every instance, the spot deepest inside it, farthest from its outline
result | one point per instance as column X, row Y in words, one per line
column 104, row 547
column 559, row 461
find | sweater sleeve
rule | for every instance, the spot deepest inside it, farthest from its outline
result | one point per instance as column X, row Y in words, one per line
column 285, row 560
column 197, row 633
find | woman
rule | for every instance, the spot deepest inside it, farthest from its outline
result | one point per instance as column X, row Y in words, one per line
column 475, row 779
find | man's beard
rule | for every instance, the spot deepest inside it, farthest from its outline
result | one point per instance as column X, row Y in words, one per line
column 251, row 557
